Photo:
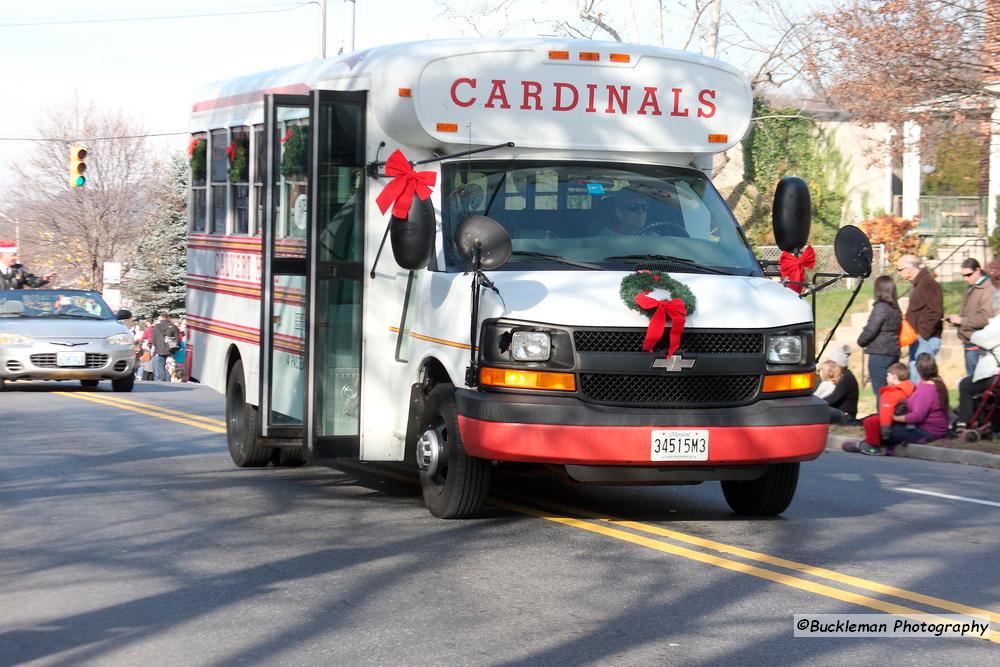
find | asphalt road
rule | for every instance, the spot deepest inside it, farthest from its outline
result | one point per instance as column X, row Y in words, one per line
column 128, row 537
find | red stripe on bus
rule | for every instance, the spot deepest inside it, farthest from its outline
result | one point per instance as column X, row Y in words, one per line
column 249, row 98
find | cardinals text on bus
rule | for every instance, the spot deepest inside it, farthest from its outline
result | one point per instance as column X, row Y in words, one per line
column 591, row 97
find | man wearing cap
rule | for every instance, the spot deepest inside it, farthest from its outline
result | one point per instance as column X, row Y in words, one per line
column 14, row 275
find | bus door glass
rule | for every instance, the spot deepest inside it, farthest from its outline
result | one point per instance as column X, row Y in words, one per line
column 285, row 317
column 336, row 251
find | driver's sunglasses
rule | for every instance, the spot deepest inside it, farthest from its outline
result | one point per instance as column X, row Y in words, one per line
column 635, row 207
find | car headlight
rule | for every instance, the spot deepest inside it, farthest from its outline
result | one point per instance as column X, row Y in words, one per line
column 119, row 339
column 531, row 345
column 13, row 339
column 784, row 349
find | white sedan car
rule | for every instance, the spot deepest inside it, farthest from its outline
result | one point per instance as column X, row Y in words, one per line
column 64, row 334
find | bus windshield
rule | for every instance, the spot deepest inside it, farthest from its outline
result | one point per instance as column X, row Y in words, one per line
column 609, row 216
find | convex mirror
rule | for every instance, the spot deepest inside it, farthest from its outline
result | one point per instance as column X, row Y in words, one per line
column 488, row 237
column 853, row 251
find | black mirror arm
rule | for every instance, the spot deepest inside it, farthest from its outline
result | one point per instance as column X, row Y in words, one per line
column 380, row 247
column 850, row 301
column 372, row 168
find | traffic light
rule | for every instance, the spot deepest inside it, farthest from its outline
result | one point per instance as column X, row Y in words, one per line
column 77, row 166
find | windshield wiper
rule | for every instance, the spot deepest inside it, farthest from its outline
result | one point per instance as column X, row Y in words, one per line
column 668, row 258
column 557, row 258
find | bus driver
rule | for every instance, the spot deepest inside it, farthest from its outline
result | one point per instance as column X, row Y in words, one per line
column 629, row 217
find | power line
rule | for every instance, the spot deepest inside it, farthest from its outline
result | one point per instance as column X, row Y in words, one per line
column 154, row 18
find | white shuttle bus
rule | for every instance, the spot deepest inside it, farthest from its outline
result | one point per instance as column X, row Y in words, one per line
column 561, row 284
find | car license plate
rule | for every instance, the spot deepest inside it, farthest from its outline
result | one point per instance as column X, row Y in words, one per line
column 679, row 445
column 71, row 358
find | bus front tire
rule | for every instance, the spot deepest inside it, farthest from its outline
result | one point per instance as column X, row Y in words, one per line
column 242, row 427
column 454, row 484
column 768, row 495
column 288, row 457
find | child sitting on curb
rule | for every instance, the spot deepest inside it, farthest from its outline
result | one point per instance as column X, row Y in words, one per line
column 877, row 427
column 926, row 416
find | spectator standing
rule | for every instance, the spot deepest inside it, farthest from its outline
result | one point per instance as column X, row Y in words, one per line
column 14, row 275
column 880, row 337
column 976, row 311
column 924, row 312
column 166, row 341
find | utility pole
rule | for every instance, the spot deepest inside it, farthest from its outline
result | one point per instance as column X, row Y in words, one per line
column 350, row 41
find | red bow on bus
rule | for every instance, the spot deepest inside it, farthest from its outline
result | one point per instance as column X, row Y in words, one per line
column 674, row 309
column 793, row 268
column 406, row 182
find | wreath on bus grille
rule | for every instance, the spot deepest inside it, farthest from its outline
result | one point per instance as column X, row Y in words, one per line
column 295, row 157
column 238, row 153
column 196, row 158
column 658, row 296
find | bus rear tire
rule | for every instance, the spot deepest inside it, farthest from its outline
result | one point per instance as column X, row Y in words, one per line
column 768, row 495
column 454, row 484
column 242, row 426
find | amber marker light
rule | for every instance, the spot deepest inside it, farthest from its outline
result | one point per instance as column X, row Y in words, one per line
column 718, row 138
column 515, row 379
column 558, row 55
column 789, row 382
column 447, row 127
column 405, row 92
column 620, row 58
column 589, row 55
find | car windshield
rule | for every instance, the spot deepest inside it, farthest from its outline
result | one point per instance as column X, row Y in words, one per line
column 55, row 304
column 610, row 215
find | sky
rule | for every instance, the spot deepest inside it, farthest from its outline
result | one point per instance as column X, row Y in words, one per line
column 52, row 51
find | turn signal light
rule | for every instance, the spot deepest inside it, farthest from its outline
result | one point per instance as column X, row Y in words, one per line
column 589, row 55
column 718, row 138
column 620, row 57
column 789, row 382
column 558, row 55
column 515, row 379
column 447, row 127
column 405, row 92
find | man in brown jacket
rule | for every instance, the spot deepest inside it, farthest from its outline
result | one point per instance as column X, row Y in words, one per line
column 977, row 309
column 924, row 312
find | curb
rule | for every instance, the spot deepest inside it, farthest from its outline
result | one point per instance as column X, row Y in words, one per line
column 967, row 457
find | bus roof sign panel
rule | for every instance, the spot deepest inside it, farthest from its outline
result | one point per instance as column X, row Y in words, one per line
column 661, row 101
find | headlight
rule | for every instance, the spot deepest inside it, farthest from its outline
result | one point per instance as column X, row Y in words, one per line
column 784, row 349
column 119, row 339
column 13, row 339
column 531, row 346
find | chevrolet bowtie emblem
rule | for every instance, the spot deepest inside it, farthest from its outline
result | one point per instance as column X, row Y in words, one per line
column 674, row 364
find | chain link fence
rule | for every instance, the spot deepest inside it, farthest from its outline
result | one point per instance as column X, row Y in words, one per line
column 826, row 260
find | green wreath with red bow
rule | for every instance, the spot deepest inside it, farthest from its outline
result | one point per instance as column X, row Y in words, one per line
column 679, row 304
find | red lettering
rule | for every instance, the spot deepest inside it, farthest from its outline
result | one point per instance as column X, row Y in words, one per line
column 498, row 93
column 533, row 90
column 677, row 103
column 454, row 87
column 649, row 100
column 592, row 92
column 710, row 111
column 560, row 87
column 621, row 98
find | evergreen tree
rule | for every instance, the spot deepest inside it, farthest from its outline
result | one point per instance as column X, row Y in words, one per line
column 158, row 280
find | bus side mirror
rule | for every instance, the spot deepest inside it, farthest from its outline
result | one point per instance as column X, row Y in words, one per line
column 854, row 251
column 791, row 214
column 412, row 238
column 483, row 243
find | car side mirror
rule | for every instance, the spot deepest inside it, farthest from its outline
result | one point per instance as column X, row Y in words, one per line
column 123, row 315
column 791, row 214
column 412, row 238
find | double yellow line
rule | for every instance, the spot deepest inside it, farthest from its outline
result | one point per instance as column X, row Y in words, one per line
column 664, row 540
column 114, row 401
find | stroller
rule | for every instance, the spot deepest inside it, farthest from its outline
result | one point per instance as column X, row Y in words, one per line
column 986, row 419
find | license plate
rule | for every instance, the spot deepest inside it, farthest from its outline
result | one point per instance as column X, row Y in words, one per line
column 679, row 445
column 71, row 358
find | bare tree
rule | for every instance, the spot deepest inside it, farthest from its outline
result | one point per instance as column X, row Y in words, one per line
column 77, row 230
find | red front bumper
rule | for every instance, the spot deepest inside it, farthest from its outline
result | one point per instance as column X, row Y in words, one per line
column 630, row 445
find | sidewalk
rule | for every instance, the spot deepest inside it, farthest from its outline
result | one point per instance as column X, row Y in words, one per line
column 928, row 452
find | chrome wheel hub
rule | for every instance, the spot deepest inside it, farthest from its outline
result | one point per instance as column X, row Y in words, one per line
column 430, row 452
